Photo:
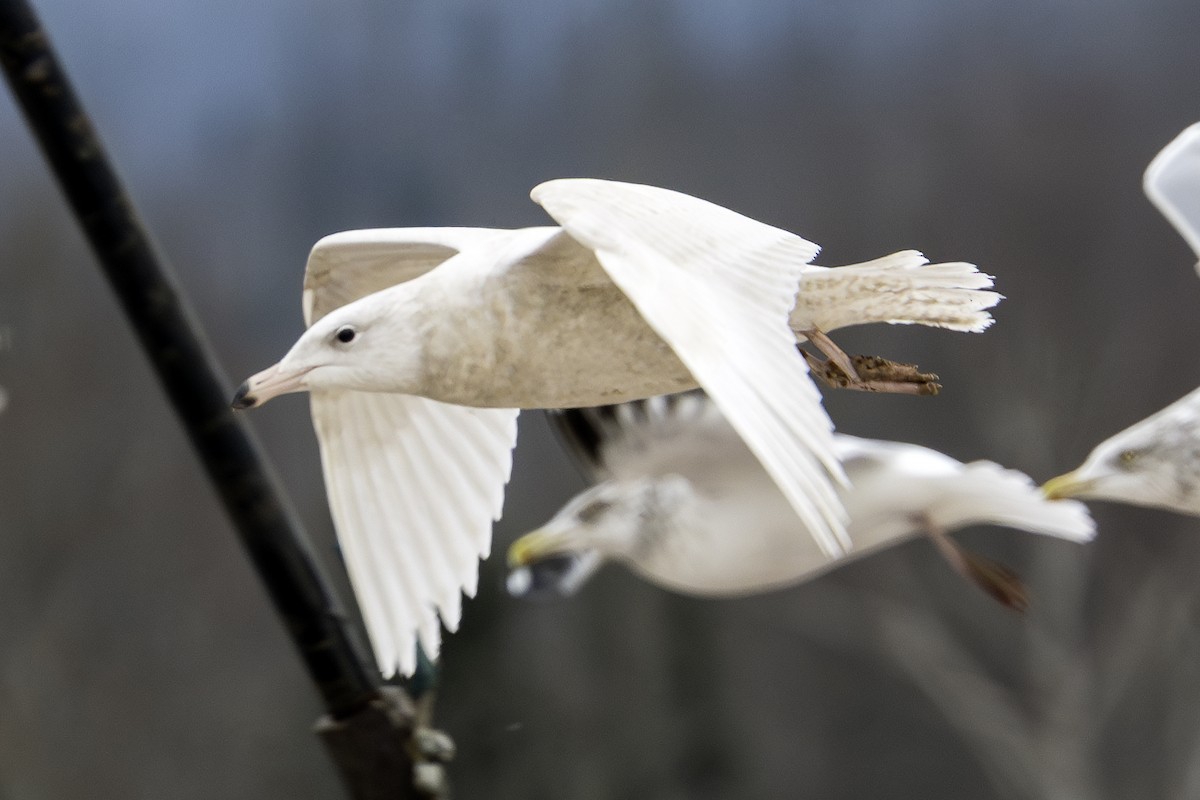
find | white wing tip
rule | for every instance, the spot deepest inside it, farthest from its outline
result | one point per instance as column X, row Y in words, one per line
column 1025, row 507
column 538, row 193
column 1171, row 180
column 1181, row 142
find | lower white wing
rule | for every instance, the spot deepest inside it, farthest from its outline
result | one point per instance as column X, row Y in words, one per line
column 414, row 486
column 717, row 287
column 1172, row 182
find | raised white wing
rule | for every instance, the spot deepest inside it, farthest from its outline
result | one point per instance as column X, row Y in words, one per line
column 717, row 287
column 414, row 486
column 1172, row 182
column 346, row 266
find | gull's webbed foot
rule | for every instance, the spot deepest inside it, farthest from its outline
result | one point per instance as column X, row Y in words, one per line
column 865, row 373
column 1004, row 585
column 1001, row 583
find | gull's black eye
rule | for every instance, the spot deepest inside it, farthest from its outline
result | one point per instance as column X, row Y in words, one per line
column 1127, row 457
column 592, row 511
column 345, row 334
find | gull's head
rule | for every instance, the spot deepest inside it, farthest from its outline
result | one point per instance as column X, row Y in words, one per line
column 1144, row 465
column 363, row 345
column 614, row 519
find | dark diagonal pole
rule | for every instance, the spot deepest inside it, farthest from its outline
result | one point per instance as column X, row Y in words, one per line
column 360, row 714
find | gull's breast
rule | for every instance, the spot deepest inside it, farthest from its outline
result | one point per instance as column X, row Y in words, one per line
column 741, row 543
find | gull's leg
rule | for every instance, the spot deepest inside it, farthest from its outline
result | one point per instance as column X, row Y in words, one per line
column 430, row 748
column 994, row 578
column 865, row 373
column 832, row 352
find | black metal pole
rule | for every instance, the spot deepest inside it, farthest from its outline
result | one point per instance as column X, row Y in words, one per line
column 266, row 524
column 370, row 730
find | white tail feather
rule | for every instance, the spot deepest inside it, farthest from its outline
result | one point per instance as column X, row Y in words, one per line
column 986, row 493
column 902, row 288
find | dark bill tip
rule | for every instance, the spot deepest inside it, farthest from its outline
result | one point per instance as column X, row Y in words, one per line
column 557, row 575
column 242, row 397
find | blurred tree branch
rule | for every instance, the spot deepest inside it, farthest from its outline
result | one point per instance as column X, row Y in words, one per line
column 368, row 731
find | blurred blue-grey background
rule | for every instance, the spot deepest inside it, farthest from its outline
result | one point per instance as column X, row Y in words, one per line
column 139, row 657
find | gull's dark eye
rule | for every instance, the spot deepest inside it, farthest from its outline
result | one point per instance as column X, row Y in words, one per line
column 345, row 334
column 1127, row 457
column 592, row 510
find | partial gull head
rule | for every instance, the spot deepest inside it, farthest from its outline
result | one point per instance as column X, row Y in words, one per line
column 1155, row 462
column 424, row 343
column 370, row 345
column 685, row 505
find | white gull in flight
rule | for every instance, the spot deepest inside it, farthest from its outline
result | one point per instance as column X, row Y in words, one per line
column 423, row 344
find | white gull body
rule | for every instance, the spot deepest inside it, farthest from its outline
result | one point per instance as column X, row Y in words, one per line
column 1155, row 462
column 684, row 504
column 423, row 344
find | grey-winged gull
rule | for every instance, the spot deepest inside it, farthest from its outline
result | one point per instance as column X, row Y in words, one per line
column 685, row 505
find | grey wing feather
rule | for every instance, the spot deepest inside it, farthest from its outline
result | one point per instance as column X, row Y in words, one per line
column 604, row 440
column 583, row 433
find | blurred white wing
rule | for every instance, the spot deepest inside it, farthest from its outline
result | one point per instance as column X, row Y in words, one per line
column 345, row 266
column 414, row 486
column 1172, row 182
column 893, row 482
column 673, row 433
column 717, row 287
column 989, row 494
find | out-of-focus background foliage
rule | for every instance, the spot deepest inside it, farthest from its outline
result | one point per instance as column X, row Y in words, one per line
column 138, row 657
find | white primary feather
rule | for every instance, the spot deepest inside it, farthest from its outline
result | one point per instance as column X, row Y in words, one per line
column 414, row 486
column 739, row 277
column 1172, row 182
